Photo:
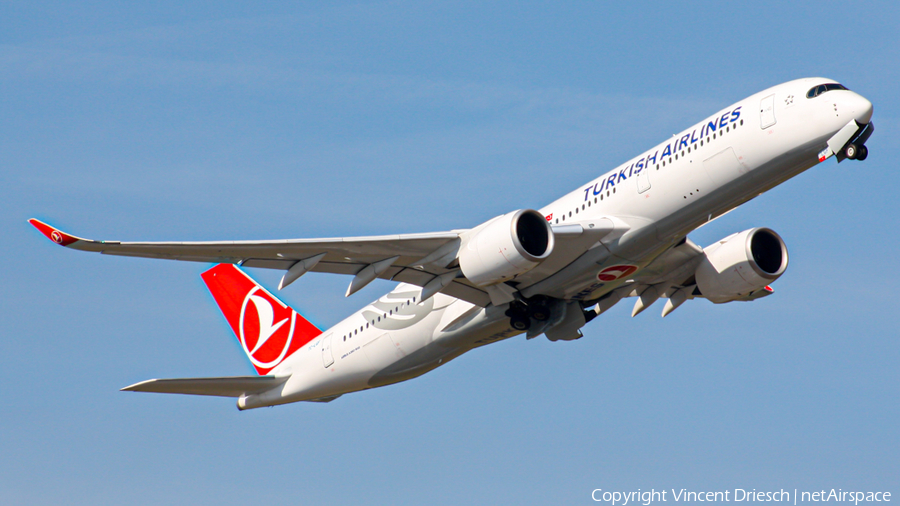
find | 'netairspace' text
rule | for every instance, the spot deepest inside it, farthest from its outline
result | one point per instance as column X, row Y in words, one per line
column 648, row 497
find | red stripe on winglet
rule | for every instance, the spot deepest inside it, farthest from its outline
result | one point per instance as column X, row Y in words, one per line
column 55, row 235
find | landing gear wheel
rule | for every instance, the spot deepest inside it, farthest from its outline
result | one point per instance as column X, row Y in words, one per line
column 519, row 323
column 518, row 316
column 540, row 312
column 863, row 153
column 851, row 151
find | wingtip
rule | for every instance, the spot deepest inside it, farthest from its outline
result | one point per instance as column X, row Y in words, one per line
column 53, row 233
column 136, row 387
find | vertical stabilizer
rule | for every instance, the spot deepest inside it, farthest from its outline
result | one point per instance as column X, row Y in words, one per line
column 268, row 330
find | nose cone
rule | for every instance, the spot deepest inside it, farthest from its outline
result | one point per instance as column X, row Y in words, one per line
column 861, row 109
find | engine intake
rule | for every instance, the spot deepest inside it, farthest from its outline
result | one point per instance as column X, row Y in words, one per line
column 505, row 247
column 741, row 263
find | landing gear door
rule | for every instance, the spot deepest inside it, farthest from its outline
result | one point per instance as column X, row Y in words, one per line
column 327, row 355
column 767, row 112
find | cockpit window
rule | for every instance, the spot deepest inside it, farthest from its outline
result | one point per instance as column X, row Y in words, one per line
column 822, row 88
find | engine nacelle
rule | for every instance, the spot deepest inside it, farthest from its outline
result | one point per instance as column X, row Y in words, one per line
column 505, row 247
column 740, row 264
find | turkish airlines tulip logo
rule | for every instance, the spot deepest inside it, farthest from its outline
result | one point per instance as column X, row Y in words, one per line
column 615, row 272
column 266, row 328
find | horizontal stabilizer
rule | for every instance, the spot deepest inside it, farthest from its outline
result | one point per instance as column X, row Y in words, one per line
column 234, row 386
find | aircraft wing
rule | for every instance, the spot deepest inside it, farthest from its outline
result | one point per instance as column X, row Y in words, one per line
column 405, row 258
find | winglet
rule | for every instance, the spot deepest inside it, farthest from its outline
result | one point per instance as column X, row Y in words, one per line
column 55, row 235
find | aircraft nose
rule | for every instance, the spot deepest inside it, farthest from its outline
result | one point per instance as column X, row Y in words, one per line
column 862, row 109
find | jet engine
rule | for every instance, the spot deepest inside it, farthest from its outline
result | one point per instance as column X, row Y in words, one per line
column 741, row 263
column 505, row 247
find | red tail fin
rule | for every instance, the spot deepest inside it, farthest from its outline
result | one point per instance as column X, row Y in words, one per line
column 269, row 330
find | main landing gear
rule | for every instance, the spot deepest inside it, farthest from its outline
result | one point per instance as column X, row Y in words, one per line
column 854, row 152
column 521, row 313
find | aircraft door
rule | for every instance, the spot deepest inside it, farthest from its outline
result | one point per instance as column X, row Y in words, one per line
column 327, row 354
column 767, row 112
column 643, row 180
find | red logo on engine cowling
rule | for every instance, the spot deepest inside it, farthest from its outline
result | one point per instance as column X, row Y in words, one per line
column 615, row 272
column 266, row 328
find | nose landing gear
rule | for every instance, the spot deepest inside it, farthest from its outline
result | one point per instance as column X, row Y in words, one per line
column 854, row 152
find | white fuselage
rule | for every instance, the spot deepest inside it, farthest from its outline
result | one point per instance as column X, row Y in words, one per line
column 659, row 196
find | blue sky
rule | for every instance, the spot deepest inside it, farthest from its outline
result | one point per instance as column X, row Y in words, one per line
column 219, row 120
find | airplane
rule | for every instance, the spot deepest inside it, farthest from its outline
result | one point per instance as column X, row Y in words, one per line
column 548, row 271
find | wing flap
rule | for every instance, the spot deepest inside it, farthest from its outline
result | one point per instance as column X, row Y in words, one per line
column 232, row 386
